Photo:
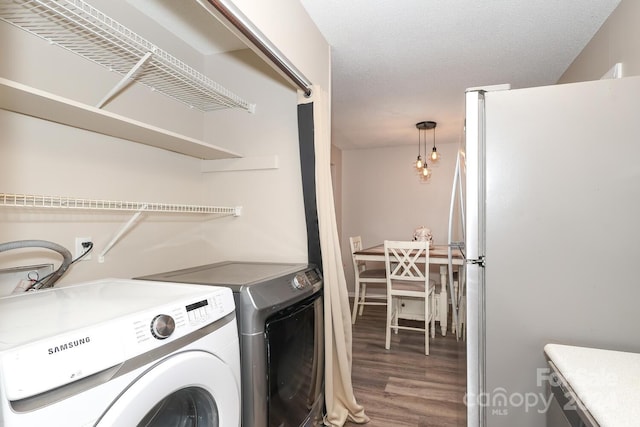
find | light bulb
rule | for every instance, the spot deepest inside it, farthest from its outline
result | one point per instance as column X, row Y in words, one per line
column 419, row 163
column 434, row 154
column 425, row 171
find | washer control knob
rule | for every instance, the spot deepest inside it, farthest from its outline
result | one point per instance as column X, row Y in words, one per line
column 162, row 326
column 299, row 281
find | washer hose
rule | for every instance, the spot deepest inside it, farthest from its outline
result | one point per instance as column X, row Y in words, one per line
column 49, row 280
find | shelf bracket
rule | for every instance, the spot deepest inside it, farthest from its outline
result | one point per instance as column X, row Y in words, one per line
column 120, row 233
column 118, row 87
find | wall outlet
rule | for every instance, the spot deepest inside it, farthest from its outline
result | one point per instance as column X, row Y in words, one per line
column 81, row 249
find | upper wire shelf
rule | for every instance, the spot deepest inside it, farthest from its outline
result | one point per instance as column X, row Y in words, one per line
column 84, row 30
column 60, row 202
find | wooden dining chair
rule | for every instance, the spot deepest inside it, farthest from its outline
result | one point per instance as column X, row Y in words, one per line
column 375, row 277
column 407, row 270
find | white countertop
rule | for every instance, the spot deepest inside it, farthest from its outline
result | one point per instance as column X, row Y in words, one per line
column 607, row 382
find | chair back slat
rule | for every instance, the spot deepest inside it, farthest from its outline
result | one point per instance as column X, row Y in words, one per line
column 407, row 261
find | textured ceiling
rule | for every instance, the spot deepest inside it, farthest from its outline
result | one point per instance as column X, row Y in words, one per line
column 398, row 62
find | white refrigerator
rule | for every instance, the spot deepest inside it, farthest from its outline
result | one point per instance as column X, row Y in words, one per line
column 552, row 237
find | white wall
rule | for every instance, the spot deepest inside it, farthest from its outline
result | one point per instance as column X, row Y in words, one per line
column 383, row 197
column 616, row 41
column 38, row 157
column 272, row 226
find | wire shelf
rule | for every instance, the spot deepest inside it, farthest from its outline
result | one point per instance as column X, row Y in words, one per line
column 84, row 30
column 60, row 202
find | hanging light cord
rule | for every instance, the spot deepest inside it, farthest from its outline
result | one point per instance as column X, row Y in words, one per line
column 419, row 159
column 425, row 167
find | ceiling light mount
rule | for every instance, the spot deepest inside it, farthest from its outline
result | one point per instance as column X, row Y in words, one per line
column 426, row 125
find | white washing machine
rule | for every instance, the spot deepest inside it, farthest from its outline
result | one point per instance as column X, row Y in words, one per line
column 120, row 352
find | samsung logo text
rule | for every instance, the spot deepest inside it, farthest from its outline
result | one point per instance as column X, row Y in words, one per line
column 69, row 345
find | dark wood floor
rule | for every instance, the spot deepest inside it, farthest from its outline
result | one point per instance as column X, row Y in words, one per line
column 402, row 387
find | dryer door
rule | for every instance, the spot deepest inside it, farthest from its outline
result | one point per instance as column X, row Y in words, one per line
column 192, row 388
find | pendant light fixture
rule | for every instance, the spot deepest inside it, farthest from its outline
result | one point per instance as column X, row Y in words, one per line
column 421, row 164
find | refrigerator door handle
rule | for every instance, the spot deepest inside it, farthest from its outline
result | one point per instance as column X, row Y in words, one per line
column 477, row 261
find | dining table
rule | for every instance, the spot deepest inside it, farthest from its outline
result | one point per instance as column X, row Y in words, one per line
column 438, row 255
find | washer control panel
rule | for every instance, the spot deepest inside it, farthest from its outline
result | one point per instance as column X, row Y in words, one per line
column 306, row 279
column 182, row 319
column 200, row 311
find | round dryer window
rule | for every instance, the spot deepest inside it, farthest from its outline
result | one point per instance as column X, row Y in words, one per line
column 186, row 407
column 192, row 388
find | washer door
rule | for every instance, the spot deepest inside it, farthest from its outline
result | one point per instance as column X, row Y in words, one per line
column 192, row 388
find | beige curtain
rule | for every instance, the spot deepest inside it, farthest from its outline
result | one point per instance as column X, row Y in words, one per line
column 340, row 401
